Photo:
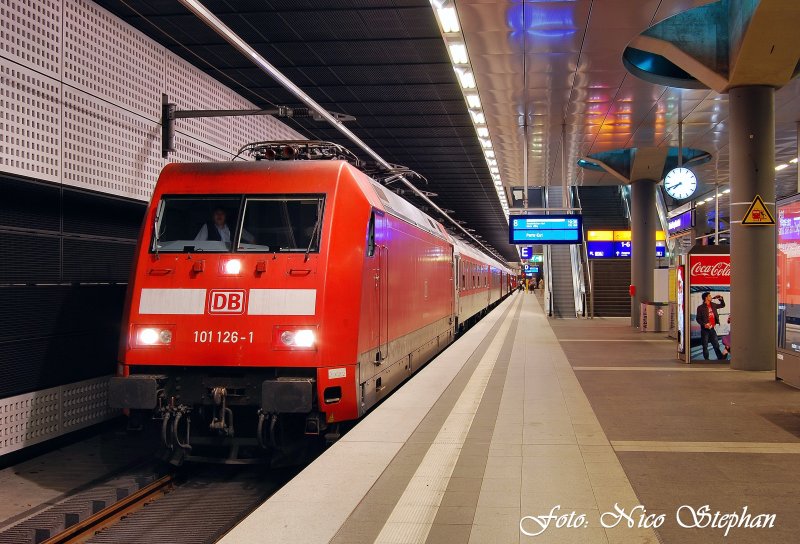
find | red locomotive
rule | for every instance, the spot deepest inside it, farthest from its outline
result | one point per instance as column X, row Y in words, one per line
column 280, row 298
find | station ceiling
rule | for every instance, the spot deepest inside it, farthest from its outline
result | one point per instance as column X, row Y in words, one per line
column 555, row 66
column 382, row 61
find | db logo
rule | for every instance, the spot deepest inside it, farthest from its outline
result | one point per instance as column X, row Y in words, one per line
column 226, row 301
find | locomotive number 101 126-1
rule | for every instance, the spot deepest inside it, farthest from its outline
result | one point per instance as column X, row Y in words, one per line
column 222, row 337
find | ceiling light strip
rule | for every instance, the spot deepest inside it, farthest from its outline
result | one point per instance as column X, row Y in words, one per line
column 450, row 27
column 205, row 15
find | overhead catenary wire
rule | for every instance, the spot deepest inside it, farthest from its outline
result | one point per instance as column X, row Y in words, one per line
column 205, row 15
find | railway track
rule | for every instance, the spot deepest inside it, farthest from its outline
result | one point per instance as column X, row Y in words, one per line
column 107, row 517
column 197, row 504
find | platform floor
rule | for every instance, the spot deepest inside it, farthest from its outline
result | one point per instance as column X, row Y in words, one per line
column 524, row 414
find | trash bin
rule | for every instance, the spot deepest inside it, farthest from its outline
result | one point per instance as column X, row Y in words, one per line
column 655, row 317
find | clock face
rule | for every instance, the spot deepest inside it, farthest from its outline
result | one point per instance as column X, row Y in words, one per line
column 680, row 183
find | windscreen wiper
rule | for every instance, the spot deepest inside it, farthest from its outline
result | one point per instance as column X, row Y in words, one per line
column 316, row 228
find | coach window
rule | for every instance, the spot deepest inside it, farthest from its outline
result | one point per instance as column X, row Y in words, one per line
column 282, row 224
column 371, row 235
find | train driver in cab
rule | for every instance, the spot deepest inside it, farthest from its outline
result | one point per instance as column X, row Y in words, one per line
column 217, row 229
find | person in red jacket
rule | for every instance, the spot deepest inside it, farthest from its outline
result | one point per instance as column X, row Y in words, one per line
column 707, row 318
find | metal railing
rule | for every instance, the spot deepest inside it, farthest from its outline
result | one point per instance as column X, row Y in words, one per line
column 576, row 255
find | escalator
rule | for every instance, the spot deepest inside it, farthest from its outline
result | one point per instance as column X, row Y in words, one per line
column 560, row 277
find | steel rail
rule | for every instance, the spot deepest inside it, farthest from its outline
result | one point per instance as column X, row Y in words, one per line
column 224, row 31
column 83, row 530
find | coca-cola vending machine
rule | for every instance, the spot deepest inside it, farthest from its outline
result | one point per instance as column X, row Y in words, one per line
column 707, row 270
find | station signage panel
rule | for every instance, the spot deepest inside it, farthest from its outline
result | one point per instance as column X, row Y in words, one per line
column 526, row 253
column 616, row 244
column 681, row 222
column 546, row 229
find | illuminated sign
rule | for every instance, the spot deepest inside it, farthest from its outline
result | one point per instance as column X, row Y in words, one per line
column 616, row 244
column 526, row 252
column 680, row 223
column 545, row 229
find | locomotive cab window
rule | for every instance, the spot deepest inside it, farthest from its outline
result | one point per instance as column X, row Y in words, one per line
column 202, row 224
column 282, row 224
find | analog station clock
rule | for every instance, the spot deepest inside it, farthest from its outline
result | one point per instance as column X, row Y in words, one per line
column 680, row 183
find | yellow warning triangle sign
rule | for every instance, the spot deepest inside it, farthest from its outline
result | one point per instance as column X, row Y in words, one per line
column 758, row 214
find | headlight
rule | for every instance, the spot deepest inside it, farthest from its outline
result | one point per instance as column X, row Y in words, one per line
column 148, row 337
column 298, row 338
column 304, row 338
column 165, row 336
column 152, row 336
column 233, row 266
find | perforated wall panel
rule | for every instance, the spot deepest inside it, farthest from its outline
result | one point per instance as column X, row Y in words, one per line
column 30, row 119
column 191, row 89
column 32, row 418
column 30, row 34
column 85, row 403
column 107, row 58
column 193, row 150
column 107, row 148
column 80, row 101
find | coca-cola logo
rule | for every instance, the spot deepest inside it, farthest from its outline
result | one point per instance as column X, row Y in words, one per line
column 710, row 270
column 717, row 270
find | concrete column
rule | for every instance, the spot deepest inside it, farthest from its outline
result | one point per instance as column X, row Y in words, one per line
column 643, row 242
column 753, row 268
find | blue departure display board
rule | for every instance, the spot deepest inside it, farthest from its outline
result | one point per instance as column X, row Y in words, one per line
column 545, row 229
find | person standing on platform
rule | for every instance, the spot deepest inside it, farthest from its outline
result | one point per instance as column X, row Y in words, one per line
column 707, row 318
column 541, row 283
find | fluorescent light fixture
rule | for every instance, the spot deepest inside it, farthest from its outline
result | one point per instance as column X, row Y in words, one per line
column 458, row 52
column 448, row 18
column 466, row 78
column 492, row 162
column 478, row 118
column 781, row 167
column 473, row 101
column 726, row 191
column 490, row 154
column 699, row 203
column 483, row 132
column 494, row 170
column 793, row 161
column 487, row 144
column 709, row 199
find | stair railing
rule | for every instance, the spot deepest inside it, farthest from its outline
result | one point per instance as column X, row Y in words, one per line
column 547, row 264
column 579, row 287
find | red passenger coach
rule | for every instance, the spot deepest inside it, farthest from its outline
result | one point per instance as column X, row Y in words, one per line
column 280, row 298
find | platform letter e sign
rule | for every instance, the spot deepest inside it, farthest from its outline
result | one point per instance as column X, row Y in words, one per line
column 226, row 301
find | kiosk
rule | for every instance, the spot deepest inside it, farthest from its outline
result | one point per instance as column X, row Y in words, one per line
column 703, row 269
